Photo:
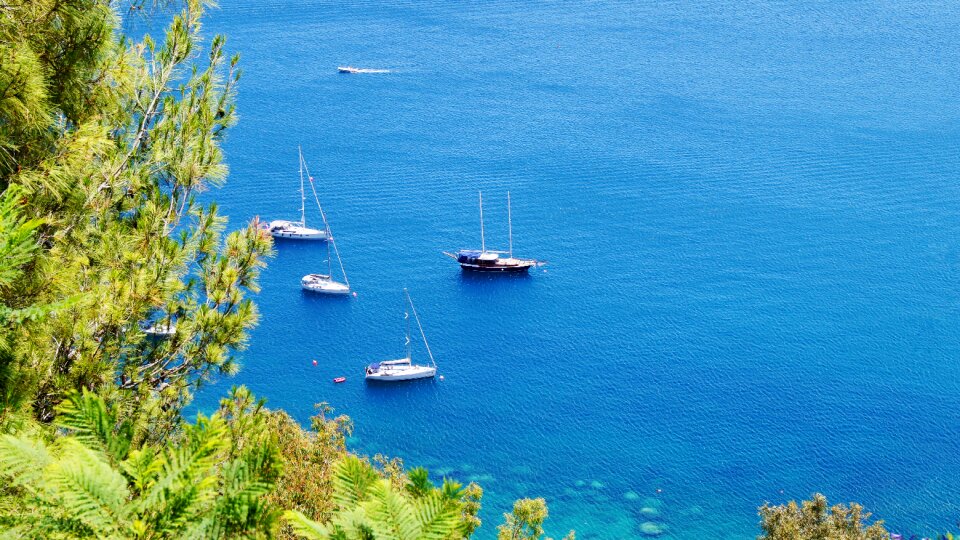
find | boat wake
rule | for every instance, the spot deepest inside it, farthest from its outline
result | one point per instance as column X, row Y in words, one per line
column 350, row 69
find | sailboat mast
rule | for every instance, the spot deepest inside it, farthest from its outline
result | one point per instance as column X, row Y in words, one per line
column 406, row 344
column 509, row 225
column 303, row 193
column 420, row 326
column 483, row 243
column 329, row 262
column 326, row 227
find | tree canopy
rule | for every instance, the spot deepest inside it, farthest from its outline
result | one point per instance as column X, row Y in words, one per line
column 816, row 520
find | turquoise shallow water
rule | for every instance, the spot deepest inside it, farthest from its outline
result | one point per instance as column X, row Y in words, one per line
column 750, row 211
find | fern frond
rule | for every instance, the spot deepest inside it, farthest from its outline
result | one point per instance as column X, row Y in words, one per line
column 241, row 507
column 190, row 464
column 88, row 418
column 391, row 515
column 89, row 489
column 352, row 482
column 23, row 460
column 305, row 527
column 437, row 515
column 142, row 467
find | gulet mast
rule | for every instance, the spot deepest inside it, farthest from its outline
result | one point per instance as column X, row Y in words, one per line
column 509, row 225
column 303, row 193
column 483, row 243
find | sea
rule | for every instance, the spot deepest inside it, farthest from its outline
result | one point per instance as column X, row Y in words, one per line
column 750, row 213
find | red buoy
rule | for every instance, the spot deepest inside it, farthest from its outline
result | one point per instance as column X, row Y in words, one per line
column 314, row 362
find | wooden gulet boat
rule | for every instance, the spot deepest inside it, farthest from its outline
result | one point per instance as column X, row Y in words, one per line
column 484, row 260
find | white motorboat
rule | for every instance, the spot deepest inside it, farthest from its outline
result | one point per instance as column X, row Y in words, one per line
column 351, row 69
column 298, row 230
column 404, row 369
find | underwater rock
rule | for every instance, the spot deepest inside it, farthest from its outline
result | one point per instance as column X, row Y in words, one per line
column 480, row 478
column 522, row 470
column 579, row 483
column 650, row 512
column 649, row 528
column 596, row 484
column 652, row 502
column 631, row 496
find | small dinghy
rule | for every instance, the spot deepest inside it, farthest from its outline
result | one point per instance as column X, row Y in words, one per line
column 340, row 380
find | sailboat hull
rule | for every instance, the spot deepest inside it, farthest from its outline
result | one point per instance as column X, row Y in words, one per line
column 322, row 284
column 410, row 373
column 316, row 235
column 292, row 231
column 498, row 269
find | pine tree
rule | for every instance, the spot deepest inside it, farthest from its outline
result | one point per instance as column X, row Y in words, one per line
column 108, row 143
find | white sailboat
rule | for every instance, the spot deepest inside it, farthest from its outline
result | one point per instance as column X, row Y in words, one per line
column 298, row 230
column 161, row 329
column 324, row 283
column 404, row 369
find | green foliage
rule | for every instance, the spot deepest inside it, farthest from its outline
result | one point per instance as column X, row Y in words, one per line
column 369, row 506
column 89, row 483
column 106, row 143
column 306, row 484
column 18, row 243
column 815, row 520
column 526, row 521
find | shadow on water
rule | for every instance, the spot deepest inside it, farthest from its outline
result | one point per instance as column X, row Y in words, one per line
column 483, row 285
column 493, row 279
column 311, row 296
column 398, row 394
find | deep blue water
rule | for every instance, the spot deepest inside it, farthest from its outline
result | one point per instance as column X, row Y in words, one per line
column 750, row 210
